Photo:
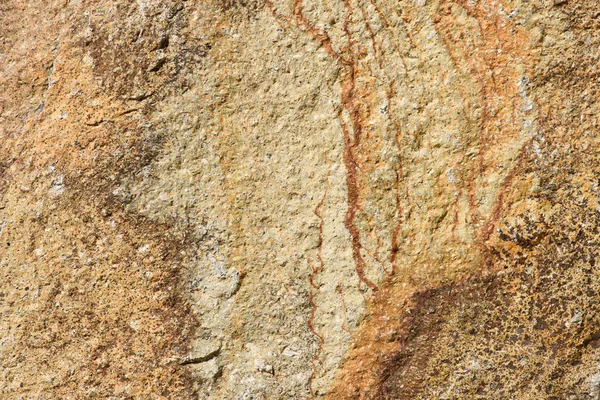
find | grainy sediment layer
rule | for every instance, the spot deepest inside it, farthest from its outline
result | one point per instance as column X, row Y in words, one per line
column 299, row 199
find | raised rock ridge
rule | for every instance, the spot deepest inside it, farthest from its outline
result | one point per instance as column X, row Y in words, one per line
column 268, row 199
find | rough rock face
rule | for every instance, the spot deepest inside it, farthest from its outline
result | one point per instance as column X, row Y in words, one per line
column 247, row 199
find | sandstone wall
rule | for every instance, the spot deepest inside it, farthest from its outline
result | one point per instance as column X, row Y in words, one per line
column 290, row 199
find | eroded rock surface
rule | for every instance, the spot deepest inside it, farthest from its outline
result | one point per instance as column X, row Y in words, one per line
column 232, row 199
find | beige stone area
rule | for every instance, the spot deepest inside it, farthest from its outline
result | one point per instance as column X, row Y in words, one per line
column 264, row 177
column 290, row 199
column 248, row 173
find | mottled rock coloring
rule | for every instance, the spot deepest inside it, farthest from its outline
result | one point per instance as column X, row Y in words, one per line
column 293, row 199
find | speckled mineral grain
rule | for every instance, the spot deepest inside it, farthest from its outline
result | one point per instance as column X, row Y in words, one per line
column 293, row 199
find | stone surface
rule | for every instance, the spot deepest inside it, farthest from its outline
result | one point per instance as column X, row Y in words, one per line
column 247, row 199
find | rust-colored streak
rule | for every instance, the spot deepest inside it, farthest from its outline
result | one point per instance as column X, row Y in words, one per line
column 351, row 142
column 371, row 36
column 281, row 19
column 319, row 35
column 353, row 198
column 381, row 15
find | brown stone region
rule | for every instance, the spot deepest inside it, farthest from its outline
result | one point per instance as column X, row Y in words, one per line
column 91, row 299
column 528, row 332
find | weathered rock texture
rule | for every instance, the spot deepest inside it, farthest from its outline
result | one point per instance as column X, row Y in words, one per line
column 289, row 199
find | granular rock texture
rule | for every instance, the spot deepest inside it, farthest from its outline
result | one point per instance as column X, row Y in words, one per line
column 291, row 199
